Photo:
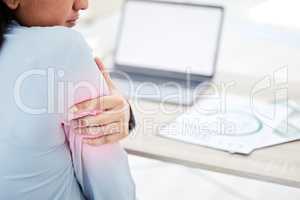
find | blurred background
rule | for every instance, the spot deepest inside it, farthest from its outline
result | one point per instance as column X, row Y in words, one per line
column 251, row 27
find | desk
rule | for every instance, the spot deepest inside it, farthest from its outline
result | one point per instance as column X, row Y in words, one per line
column 246, row 50
column 279, row 164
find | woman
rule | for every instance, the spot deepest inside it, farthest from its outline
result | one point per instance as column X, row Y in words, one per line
column 48, row 151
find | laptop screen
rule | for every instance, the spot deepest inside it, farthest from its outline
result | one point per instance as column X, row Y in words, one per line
column 170, row 37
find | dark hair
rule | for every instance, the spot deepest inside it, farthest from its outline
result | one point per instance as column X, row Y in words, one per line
column 5, row 20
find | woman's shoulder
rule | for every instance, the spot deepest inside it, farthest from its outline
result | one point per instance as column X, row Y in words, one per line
column 56, row 44
column 55, row 35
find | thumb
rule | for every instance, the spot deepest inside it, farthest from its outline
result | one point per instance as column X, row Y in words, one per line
column 105, row 74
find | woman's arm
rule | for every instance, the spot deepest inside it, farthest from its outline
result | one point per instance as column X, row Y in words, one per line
column 102, row 170
column 110, row 125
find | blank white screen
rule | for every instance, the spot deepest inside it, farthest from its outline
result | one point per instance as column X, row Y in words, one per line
column 171, row 37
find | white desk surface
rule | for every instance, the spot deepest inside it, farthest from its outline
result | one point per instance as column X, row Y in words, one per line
column 279, row 164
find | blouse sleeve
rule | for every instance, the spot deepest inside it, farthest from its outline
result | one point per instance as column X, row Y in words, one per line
column 102, row 171
column 84, row 80
column 85, row 74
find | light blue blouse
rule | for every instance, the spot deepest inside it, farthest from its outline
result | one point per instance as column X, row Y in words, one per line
column 39, row 67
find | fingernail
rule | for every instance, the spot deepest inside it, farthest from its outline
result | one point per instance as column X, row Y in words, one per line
column 77, row 115
column 74, row 109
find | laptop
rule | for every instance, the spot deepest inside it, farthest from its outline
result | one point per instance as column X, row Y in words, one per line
column 167, row 51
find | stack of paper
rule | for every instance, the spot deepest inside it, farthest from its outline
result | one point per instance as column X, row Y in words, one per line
column 237, row 125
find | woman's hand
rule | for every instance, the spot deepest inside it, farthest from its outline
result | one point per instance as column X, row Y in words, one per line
column 108, row 126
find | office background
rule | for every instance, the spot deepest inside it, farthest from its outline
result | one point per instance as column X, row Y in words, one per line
column 259, row 38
